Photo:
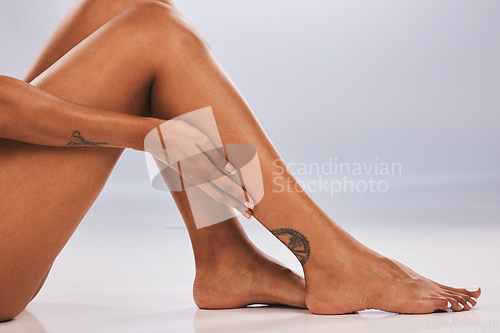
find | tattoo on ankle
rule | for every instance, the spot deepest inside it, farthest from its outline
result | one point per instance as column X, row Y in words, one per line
column 80, row 141
column 296, row 242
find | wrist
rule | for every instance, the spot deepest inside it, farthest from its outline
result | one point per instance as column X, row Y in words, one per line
column 145, row 125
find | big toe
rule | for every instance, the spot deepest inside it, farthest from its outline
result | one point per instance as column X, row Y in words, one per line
column 471, row 292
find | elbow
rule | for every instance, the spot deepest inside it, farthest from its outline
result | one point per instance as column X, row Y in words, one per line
column 3, row 87
column 7, row 85
column 12, row 93
column 4, row 81
column 3, row 110
column 7, row 89
column 5, row 98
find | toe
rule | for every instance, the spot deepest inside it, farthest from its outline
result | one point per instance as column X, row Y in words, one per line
column 473, row 292
column 441, row 303
column 461, row 299
column 471, row 302
column 463, row 302
column 455, row 305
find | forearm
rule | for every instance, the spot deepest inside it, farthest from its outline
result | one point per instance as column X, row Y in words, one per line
column 31, row 115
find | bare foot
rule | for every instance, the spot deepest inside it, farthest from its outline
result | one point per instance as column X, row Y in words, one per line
column 238, row 282
column 347, row 277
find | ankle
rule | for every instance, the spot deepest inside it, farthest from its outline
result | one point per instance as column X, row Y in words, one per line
column 227, row 257
column 222, row 243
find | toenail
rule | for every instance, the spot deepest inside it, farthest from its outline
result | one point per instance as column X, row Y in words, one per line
column 469, row 304
column 475, row 300
column 449, row 305
column 460, row 305
column 473, row 289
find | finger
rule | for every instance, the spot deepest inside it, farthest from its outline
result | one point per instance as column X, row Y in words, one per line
column 223, row 197
column 201, row 170
column 230, row 187
column 216, row 156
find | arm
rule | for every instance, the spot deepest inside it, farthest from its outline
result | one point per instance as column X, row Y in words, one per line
column 31, row 115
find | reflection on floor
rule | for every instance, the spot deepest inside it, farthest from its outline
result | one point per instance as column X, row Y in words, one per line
column 140, row 281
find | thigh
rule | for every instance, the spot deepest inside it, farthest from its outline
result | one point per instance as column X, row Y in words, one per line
column 46, row 190
column 85, row 17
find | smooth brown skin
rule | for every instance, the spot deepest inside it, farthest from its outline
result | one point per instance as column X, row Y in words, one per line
column 56, row 118
column 35, row 234
column 180, row 74
column 31, row 115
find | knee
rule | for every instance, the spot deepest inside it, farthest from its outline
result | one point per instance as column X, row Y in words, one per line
column 136, row 2
column 163, row 25
column 167, row 2
column 121, row 5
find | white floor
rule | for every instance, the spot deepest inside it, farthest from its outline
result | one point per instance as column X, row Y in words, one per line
column 125, row 280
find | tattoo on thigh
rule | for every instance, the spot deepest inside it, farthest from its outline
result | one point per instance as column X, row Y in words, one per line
column 78, row 140
column 296, row 242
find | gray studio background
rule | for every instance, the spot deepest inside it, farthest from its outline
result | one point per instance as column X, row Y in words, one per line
column 410, row 82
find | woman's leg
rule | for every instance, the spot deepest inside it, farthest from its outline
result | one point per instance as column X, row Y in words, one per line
column 48, row 190
column 342, row 275
column 218, row 262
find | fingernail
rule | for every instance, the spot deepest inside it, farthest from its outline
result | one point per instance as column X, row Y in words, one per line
column 469, row 304
column 229, row 168
column 449, row 305
column 473, row 289
column 247, row 214
column 249, row 205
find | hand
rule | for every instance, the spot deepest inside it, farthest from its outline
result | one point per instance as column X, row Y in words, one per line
column 192, row 154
